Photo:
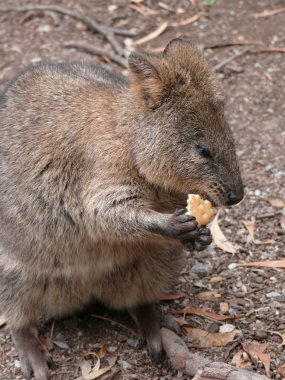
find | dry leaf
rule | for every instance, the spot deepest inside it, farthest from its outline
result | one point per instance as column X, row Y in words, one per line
column 282, row 336
column 254, row 346
column 249, row 224
column 208, row 294
column 266, row 359
column 97, row 372
column 281, row 370
column 205, row 339
column 219, row 238
column 268, row 13
column 265, row 264
column 240, row 360
column 264, row 242
column 216, row 279
column 256, row 352
column 171, row 297
column 3, row 320
column 208, row 314
column 188, row 21
column 278, row 203
column 97, row 365
column 85, row 367
column 101, row 353
column 151, row 36
column 94, row 374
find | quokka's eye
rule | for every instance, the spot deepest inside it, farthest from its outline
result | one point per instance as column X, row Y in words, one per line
column 204, row 152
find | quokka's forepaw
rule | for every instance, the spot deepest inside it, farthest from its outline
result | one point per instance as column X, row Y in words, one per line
column 182, row 226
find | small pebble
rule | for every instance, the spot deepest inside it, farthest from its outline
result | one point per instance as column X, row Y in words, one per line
column 112, row 349
column 233, row 311
column 227, row 328
column 224, row 307
column 216, row 279
column 122, row 338
column 273, row 295
column 61, row 345
column 132, row 342
column 59, row 336
column 212, row 327
column 193, row 276
column 44, row 28
column 201, row 268
column 245, row 356
column 232, row 266
column 260, row 335
column 126, row 365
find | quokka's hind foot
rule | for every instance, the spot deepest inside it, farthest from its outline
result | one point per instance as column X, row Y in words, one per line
column 33, row 355
column 149, row 321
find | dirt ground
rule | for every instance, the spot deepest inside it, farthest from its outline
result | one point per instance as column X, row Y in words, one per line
column 254, row 85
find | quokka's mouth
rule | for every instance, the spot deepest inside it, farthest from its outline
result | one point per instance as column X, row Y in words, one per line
column 215, row 201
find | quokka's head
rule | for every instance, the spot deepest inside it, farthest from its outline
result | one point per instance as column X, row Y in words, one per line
column 182, row 141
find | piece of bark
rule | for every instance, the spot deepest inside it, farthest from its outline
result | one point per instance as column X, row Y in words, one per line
column 202, row 369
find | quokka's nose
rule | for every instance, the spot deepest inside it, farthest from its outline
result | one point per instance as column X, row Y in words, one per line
column 234, row 197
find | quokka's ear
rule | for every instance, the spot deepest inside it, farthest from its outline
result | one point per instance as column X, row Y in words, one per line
column 194, row 69
column 179, row 47
column 147, row 78
column 187, row 55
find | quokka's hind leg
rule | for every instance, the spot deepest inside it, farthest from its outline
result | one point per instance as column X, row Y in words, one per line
column 33, row 355
column 149, row 321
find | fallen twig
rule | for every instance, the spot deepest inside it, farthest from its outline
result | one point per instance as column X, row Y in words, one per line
column 52, row 331
column 115, row 323
column 268, row 13
column 268, row 215
column 270, row 50
column 153, row 34
column 142, row 9
column 195, row 365
column 230, row 44
column 220, row 65
column 92, row 25
column 256, row 290
column 171, row 297
column 207, row 314
column 121, row 32
column 96, row 51
column 264, row 264
column 188, row 21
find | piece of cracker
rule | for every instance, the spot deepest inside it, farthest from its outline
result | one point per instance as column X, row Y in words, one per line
column 201, row 209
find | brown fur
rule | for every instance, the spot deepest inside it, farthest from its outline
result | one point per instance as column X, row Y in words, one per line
column 92, row 168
